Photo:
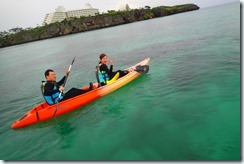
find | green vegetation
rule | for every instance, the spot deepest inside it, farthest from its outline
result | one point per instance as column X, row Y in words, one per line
column 113, row 12
column 148, row 15
column 174, row 8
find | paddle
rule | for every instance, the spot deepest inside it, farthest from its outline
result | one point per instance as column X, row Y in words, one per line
column 142, row 69
column 65, row 80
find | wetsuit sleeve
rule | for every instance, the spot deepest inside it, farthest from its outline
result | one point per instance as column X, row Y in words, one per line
column 61, row 81
column 48, row 89
column 104, row 67
column 111, row 68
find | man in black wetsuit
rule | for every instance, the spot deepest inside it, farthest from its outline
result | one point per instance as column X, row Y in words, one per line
column 52, row 89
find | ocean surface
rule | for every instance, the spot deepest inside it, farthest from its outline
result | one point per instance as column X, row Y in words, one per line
column 186, row 108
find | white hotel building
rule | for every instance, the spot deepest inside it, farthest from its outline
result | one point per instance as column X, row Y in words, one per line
column 60, row 14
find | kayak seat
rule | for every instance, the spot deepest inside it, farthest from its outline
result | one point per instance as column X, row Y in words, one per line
column 96, row 73
column 116, row 76
column 42, row 90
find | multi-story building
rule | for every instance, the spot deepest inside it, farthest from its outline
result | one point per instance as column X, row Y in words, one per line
column 88, row 11
column 60, row 14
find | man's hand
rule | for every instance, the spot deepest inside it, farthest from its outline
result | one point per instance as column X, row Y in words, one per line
column 67, row 73
column 61, row 89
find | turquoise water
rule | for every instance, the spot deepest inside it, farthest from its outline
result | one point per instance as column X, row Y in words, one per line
column 186, row 108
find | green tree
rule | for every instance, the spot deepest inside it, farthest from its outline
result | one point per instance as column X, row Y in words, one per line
column 147, row 7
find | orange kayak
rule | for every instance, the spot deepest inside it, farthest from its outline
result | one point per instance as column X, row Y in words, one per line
column 44, row 111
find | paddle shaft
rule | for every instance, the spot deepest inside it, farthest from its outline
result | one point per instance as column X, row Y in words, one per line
column 66, row 77
column 65, row 80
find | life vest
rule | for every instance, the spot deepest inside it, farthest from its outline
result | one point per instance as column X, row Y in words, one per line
column 53, row 99
column 102, row 75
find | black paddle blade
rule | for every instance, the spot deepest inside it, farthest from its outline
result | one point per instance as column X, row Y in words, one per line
column 143, row 69
column 73, row 61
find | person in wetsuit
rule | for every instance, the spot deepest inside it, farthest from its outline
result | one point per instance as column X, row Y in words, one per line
column 108, row 73
column 51, row 88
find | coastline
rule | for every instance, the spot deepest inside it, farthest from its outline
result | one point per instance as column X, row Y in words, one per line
column 100, row 21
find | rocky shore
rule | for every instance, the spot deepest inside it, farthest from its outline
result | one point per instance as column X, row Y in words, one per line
column 91, row 23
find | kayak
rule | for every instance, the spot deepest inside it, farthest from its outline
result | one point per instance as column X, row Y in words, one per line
column 44, row 111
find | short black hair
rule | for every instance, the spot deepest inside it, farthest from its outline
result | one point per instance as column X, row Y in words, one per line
column 47, row 72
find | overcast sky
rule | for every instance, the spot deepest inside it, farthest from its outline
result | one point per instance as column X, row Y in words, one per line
column 31, row 13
